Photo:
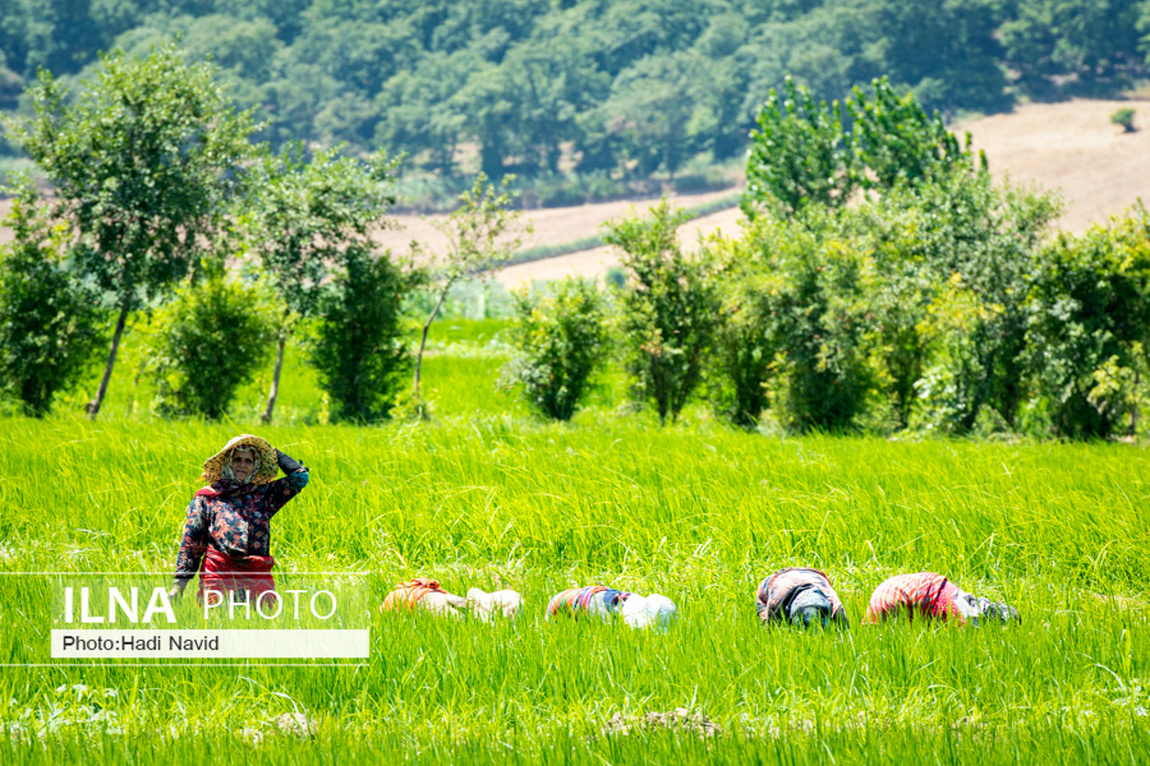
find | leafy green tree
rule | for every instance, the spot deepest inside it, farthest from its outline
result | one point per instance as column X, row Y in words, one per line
column 668, row 308
column 1091, row 40
column 1125, row 118
column 649, row 111
column 212, row 339
column 896, row 142
column 143, row 163
column 358, row 348
column 48, row 320
column 302, row 216
column 978, row 246
column 559, row 337
column 799, row 155
column 481, row 233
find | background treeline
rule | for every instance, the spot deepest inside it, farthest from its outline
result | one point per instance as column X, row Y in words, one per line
column 883, row 282
column 611, row 90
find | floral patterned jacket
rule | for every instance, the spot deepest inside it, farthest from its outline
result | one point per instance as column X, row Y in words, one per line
column 236, row 524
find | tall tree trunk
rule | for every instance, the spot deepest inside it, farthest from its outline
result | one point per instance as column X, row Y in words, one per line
column 423, row 339
column 267, row 417
column 94, row 405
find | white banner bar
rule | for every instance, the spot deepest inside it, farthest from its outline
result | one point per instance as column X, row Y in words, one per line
column 207, row 644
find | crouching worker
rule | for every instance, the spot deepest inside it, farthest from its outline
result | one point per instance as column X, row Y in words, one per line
column 932, row 596
column 227, row 531
column 426, row 595
column 606, row 603
column 800, row 596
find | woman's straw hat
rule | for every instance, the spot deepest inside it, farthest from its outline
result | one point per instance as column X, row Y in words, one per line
column 267, row 454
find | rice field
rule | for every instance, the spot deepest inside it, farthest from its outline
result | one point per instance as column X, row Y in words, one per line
column 487, row 496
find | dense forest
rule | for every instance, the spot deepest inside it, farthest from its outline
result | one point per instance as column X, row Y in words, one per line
column 610, row 87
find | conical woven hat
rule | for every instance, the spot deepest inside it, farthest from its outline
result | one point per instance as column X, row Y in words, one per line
column 267, row 455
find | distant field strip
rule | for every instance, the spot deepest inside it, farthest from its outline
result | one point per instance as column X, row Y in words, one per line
column 587, row 243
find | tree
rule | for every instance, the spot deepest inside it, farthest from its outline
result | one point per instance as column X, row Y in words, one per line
column 480, row 233
column 302, row 217
column 48, row 319
column 358, row 349
column 143, row 163
column 669, row 308
column 895, row 141
column 799, row 154
column 1087, row 336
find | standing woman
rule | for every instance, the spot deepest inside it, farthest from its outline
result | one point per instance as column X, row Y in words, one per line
column 228, row 528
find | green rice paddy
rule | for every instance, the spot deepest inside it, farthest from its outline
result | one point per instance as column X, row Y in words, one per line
column 487, row 496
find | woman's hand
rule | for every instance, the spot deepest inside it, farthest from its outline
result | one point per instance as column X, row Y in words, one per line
column 177, row 591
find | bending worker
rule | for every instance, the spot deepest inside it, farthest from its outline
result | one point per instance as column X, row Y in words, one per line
column 227, row 532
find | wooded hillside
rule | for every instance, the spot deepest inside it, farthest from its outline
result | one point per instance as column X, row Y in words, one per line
column 600, row 86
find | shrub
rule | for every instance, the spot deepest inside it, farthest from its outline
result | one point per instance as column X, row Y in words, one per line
column 48, row 319
column 1125, row 118
column 357, row 349
column 745, row 346
column 560, row 339
column 818, row 303
column 956, row 258
column 1089, row 311
column 210, row 341
column 668, row 309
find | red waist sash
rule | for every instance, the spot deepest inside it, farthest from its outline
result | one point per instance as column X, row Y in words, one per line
column 221, row 572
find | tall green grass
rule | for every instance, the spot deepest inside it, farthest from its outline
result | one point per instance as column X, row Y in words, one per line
column 486, row 496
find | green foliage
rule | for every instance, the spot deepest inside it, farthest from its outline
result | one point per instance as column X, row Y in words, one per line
column 143, row 162
column 980, row 246
column 357, row 348
column 628, row 87
column 1088, row 42
column 1090, row 327
column 894, row 141
column 1125, row 118
column 208, row 342
column 481, row 233
column 559, row 337
column 301, row 215
column 668, row 308
column 799, row 155
column 48, row 319
column 815, row 285
column 746, row 346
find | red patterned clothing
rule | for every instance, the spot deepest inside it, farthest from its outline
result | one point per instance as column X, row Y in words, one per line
column 925, row 593
column 408, row 594
column 225, row 573
column 236, row 523
column 777, row 592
